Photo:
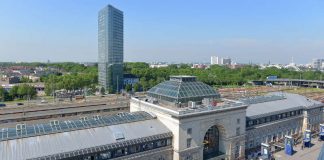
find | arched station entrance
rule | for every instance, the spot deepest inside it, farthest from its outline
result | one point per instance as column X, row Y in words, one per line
column 211, row 143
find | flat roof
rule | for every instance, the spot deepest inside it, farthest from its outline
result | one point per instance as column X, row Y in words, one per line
column 174, row 111
column 289, row 102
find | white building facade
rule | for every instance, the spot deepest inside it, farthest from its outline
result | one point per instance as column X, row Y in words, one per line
column 200, row 131
column 220, row 61
column 230, row 129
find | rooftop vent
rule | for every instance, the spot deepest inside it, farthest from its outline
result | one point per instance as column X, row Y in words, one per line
column 119, row 136
column 192, row 104
column 155, row 101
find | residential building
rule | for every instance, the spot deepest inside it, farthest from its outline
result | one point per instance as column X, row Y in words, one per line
column 13, row 80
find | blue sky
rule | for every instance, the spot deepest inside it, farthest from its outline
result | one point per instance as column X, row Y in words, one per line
column 166, row 30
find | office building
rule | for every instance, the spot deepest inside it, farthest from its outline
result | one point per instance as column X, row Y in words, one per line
column 215, row 60
column 317, row 64
column 226, row 61
column 110, row 48
column 220, row 61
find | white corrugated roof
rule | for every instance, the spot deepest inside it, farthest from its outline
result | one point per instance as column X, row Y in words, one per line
column 39, row 146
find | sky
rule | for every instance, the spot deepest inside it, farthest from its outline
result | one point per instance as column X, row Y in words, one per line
column 181, row 31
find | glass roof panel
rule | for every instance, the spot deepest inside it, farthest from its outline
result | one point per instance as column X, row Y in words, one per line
column 182, row 89
column 61, row 126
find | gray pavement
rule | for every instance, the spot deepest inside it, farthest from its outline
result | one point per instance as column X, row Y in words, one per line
column 305, row 154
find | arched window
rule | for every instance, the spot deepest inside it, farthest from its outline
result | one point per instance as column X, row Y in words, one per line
column 211, row 143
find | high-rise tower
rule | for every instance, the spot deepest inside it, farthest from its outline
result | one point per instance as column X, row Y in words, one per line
column 110, row 48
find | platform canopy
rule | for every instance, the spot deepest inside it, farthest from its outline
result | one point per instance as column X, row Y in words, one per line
column 71, row 138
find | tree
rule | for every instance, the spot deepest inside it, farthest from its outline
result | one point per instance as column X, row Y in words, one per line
column 144, row 83
column 70, row 82
column 50, row 84
column 151, row 83
column 136, row 87
column 26, row 91
column 102, row 91
column 13, row 92
column 31, row 91
column 128, row 87
column 110, row 90
column 25, row 80
column 2, row 94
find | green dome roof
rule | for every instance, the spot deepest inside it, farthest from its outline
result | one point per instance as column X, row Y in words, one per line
column 182, row 89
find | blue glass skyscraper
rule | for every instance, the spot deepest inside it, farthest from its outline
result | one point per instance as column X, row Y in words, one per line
column 110, row 48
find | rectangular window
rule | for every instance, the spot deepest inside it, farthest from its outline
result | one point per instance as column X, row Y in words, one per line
column 288, row 114
column 238, row 121
column 284, row 115
column 238, row 131
column 268, row 119
column 188, row 142
column 189, row 131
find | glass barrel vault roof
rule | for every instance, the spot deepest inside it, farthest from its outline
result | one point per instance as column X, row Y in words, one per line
column 71, row 125
column 182, row 89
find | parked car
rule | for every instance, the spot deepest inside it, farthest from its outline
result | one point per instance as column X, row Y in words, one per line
column 2, row 105
column 20, row 104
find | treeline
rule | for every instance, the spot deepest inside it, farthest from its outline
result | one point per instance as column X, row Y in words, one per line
column 23, row 91
column 215, row 75
column 74, row 67
column 71, row 82
column 62, row 66
column 76, row 77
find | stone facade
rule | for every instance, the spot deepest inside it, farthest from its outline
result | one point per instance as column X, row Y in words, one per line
column 230, row 123
column 295, row 125
column 165, row 153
